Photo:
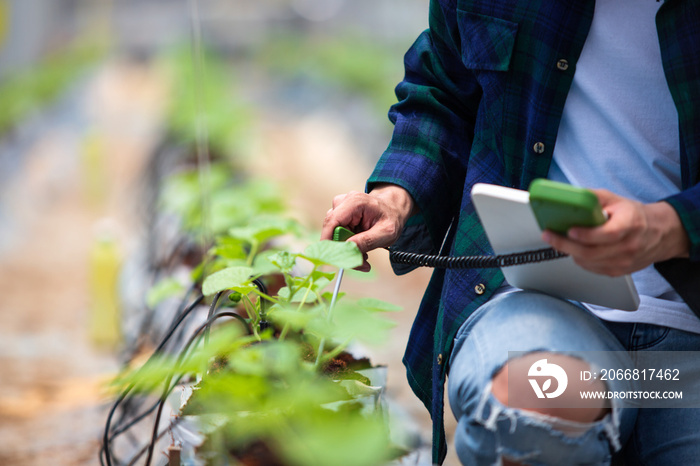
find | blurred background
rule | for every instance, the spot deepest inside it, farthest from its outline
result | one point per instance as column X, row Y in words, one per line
column 100, row 101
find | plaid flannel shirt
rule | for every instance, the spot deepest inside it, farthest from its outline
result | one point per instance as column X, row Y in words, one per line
column 481, row 101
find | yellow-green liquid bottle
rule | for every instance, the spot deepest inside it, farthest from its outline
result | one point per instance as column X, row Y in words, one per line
column 105, row 313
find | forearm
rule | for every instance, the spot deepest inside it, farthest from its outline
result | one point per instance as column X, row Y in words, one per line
column 433, row 123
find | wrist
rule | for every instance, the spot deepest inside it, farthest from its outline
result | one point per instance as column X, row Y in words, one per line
column 397, row 197
column 673, row 234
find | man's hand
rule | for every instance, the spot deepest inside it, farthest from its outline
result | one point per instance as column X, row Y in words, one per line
column 634, row 236
column 376, row 218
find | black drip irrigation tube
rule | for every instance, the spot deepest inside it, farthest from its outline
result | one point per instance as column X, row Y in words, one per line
column 111, row 433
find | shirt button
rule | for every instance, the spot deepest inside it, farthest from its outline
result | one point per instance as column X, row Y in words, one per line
column 480, row 288
column 563, row 65
column 439, row 359
column 538, row 148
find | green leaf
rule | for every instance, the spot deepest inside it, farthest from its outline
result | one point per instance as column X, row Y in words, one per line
column 271, row 359
column 303, row 294
column 343, row 438
column 320, row 284
column 373, row 304
column 297, row 320
column 229, row 248
column 320, row 275
column 359, row 276
column 321, row 280
column 351, row 322
column 263, row 229
column 228, row 393
column 328, row 295
column 159, row 368
column 262, row 265
column 344, row 255
column 231, row 278
column 163, row 290
column 283, row 260
column 147, row 378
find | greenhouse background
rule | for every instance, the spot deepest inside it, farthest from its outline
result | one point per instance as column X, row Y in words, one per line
column 103, row 103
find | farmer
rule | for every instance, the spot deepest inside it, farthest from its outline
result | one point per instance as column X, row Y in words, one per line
column 603, row 94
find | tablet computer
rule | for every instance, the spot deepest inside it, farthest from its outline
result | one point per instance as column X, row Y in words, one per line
column 511, row 227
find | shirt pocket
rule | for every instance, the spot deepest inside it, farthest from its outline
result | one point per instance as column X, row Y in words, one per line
column 487, row 47
column 487, row 42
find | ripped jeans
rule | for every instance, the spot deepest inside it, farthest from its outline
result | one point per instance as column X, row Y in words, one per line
column 531, row 322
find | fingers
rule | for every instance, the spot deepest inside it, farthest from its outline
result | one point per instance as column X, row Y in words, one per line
column 365, row 267
column 376, row 218
column 613, row 248
column 626, row 219
column 609, row 260
column 609, row 232
column 333, row 217
column 348, row 210
column 337, row 200
column 618, row 247
column 382, row 234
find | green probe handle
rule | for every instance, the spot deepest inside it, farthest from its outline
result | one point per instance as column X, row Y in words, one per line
column 339, row 234
column 342, row 234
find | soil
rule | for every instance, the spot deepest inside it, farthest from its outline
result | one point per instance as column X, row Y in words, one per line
column 258, row 454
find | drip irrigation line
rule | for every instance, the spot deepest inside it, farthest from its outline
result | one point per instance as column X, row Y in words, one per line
column 177, row 323
column 106, row 437
column 134, row 421
column 169, row 385
column 128, row 405
column 181, row 310
column 160, row 435
column 105, row 453
column 146, row 323
column 212, row 308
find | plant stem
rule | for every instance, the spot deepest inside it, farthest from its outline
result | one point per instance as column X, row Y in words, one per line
column 337, row 350
column 252, row 315
column 267, row 297
column 250, row 309
column 306, row 295
column 285, row 329
column 283, row 333
column 338, row 279
column 253, row 252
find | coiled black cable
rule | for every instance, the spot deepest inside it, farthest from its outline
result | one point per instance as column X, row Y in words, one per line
column 474, row 262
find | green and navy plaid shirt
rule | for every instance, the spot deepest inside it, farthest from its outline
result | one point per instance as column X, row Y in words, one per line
column 481, row 101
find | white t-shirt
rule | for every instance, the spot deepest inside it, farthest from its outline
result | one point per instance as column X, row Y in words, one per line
column 619, row 131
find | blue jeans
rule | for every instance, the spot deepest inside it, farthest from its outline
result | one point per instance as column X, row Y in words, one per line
column 532, row 322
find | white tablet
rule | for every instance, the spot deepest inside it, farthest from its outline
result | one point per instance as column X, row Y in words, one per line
column 511, row 227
